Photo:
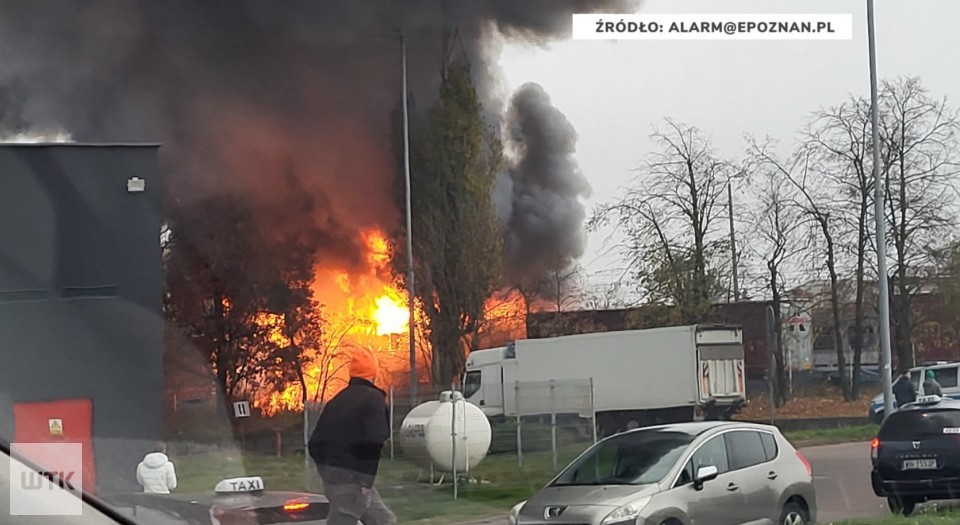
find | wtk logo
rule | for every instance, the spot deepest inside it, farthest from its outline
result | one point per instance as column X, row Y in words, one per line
column 46, row 479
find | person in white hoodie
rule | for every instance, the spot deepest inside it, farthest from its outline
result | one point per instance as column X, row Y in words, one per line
column 156, row 473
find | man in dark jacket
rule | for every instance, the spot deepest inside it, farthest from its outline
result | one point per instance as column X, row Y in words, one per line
column 903, row 390
column 347, row 443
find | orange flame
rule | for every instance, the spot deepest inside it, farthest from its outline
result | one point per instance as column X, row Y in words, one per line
column 367, row 309
column 361, row 309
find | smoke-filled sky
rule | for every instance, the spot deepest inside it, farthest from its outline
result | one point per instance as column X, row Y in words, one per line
column 615, row 92
column 291, row 100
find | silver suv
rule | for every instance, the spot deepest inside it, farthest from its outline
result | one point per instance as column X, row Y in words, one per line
column 722, row 473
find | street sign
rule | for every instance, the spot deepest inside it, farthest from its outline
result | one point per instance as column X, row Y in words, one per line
column 241, row 409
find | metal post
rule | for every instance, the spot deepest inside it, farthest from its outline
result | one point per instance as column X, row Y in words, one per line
column 790, row 371
column 733, row 245
column 553, row 426
column 410, row 288
column 516, row 401
column 771, row 366
column 306, row 435
column 878, row 186
column 392, row 419
column 453, row 436
column 593, row 412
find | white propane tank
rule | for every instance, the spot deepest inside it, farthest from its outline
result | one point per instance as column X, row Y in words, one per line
column 426, row 434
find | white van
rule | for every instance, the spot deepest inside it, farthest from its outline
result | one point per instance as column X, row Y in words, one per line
column 946, row 373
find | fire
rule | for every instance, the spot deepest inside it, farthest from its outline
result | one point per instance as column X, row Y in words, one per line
column 391, row 317
column 367, row 308
column 505, row 319
column 361, row 309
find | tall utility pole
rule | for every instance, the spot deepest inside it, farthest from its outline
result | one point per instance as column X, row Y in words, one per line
column 733, row 245
column 885, row 357
column 406, row 169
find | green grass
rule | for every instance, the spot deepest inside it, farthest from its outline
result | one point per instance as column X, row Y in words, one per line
column 830, row 436
column 496, row 485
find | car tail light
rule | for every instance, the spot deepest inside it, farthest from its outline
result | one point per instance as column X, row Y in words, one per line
column 295, row 505
column 806, row 464
column 874, row 445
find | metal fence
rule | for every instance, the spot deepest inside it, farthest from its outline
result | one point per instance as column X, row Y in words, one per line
column 566, row 408
column 545, row 425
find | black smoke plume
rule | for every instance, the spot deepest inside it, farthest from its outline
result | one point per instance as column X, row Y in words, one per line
column 272, row 100
column 540, row 199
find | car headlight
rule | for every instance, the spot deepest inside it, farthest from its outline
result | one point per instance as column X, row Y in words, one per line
column 515, row 512
column 626, row 513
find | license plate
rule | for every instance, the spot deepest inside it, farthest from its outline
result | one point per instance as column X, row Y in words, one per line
column 919, row 464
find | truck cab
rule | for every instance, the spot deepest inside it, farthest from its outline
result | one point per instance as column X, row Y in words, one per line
column 484, row 379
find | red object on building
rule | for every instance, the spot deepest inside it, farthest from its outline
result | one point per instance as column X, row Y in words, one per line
column 36, row 422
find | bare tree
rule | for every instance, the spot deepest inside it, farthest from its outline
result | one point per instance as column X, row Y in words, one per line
column 920, row 136
column 840, row 140
column 776, row 238
column 330, row 359
column 558, row 287
column 814, row 198
column 672, row 220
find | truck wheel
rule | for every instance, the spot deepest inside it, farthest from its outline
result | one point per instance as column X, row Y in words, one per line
column 607, row 425
column 632, row 420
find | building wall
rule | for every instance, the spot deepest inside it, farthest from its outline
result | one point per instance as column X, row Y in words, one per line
column 80, row 293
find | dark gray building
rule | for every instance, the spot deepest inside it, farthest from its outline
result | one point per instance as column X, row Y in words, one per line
column 81, row 325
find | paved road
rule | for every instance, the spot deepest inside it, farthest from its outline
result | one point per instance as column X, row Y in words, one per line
column 841, row 474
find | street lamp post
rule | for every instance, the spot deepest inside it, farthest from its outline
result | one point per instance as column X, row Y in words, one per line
column 406, row 169
column 885, row 359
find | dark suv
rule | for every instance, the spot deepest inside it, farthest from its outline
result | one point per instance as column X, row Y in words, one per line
column 916, row 454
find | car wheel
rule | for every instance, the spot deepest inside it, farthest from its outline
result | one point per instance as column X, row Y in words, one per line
column 902, row 506
column 793, row 514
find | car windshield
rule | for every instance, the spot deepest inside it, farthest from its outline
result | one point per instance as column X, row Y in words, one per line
column 635, row 458
column 911, row 424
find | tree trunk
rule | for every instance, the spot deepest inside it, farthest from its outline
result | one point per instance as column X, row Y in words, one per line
column 835, row 310
column 858, row 322
column 903, row 329
column 780, row 376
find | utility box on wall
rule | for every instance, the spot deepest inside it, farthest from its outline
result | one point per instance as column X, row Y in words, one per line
column 81, row 282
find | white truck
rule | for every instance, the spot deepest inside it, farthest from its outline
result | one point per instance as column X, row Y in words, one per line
column 634, row 377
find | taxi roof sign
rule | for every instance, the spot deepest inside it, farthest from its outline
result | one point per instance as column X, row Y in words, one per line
column 239, row 485
column 928, row 400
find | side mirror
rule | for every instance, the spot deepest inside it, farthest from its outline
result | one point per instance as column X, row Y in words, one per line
column 704, row 474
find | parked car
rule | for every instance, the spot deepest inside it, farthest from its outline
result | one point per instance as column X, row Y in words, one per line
column 721, row 473
column 915, row 456
column 945, row 373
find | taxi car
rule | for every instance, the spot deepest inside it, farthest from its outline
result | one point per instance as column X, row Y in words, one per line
column 235, row 501
column 916, row 454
